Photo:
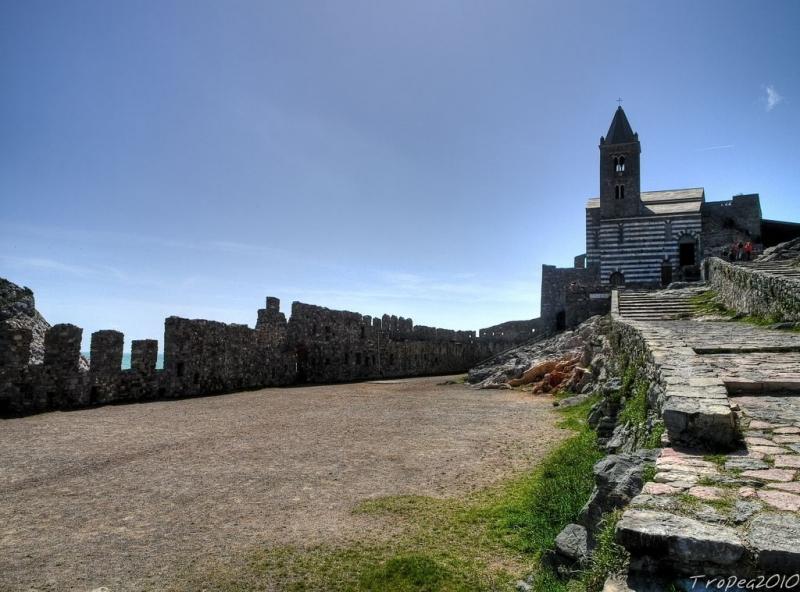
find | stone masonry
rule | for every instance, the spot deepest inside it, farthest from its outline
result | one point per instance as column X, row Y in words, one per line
column 725, row 499
column 316, row 345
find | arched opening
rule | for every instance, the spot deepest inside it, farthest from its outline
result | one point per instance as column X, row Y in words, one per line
column 561, row 320
column 622, row 191
column 616, row 279
column 619, row 164
column 687, row 250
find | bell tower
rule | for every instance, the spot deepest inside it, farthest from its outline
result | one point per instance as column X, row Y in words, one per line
column 620, row 193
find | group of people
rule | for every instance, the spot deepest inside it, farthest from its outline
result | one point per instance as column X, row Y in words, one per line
column 738, row 251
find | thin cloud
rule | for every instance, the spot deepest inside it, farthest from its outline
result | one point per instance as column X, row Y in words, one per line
column 773, row 98
column 721, row 147
column 48, row 265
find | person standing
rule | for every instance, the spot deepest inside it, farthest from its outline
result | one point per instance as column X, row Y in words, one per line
column 748, row 251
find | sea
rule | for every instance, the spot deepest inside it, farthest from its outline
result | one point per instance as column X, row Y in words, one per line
column 126, row 360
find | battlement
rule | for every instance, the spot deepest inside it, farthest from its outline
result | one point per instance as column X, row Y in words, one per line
column 203, row 357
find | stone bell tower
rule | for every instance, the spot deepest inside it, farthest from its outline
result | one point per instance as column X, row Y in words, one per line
column 620, row 193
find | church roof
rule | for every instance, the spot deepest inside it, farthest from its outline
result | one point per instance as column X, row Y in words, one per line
column 620, row 131
column 667, row 202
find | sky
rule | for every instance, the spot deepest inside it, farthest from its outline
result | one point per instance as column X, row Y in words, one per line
column 417, row 158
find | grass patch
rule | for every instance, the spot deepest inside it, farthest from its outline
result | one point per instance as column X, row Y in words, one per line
column 717, row 459
column 653, row 439
column 708, row 303
column 532, row 513
column 407, row 573
column 484, row 541
column 635, row 409
column 633, row 398
column 649, row 473
column 609, row 558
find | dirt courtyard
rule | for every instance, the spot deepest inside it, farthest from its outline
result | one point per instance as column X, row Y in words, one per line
column 122, row 496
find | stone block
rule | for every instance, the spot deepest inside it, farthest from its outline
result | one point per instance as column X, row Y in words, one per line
column 683, row 543
column 774, row 540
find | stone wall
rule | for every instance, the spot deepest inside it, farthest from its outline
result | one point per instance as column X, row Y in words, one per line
column 752, row 291
column 201, row 357
column 513, row 331
column 566, row 297
column 726, row 222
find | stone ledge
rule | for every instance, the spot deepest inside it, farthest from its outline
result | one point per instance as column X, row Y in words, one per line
column 684, row 542
column 774, row 539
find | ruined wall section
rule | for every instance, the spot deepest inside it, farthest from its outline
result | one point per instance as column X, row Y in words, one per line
column 725, row 222
column 317, row 345
column 513, row 331
column 570, row 296
column 334, row 346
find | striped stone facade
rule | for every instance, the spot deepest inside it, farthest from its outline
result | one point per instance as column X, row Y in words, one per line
column 643, row 239
column 637, row 247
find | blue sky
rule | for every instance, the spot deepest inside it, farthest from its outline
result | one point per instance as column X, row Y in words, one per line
column 415, row 158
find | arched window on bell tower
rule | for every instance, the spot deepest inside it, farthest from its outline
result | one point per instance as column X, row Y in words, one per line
column 620, row 164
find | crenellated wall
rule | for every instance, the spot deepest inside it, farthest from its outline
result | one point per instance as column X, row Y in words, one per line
column 316, row 345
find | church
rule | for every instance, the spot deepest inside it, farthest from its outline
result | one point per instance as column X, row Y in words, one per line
column 646, row 239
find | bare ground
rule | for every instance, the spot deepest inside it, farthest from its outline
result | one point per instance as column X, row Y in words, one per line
column 122, row 496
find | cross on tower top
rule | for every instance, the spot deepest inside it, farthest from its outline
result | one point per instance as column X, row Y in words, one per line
column 619, row 100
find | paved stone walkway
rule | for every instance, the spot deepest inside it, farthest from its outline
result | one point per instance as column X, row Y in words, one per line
column 732, row 508
column 726, row 492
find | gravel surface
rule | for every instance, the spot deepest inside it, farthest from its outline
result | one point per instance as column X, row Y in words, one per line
column 122, row 496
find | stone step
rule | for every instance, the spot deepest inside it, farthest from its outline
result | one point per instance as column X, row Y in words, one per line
column 654, row 312
column 654, row 306
column 684, row 544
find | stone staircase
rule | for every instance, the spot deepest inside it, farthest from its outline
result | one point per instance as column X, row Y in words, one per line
column 786, row 269
column 656, row 305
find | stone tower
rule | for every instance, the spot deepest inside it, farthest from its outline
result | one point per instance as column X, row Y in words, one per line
column 620, row 194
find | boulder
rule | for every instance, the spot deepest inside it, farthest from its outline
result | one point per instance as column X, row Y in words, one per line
column 618, row 479
column 572, row 544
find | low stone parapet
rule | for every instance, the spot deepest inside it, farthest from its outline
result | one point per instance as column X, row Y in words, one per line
column 690, row 398
column 753, row 290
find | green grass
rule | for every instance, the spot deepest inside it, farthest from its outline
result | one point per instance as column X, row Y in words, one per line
column 717, row 459
column 635, row 409
column 708, row 303
column 633, row 395
column 609, row 558
column 649, row 472
column 483, row 541
column 410, row 573
column 653, row 440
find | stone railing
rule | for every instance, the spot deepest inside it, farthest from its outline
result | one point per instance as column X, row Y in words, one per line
column 753, row 291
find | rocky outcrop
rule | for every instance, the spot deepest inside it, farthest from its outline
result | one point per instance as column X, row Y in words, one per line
column 782, row 252
column 18, row 310
column 571, row 360
column 618, row 479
